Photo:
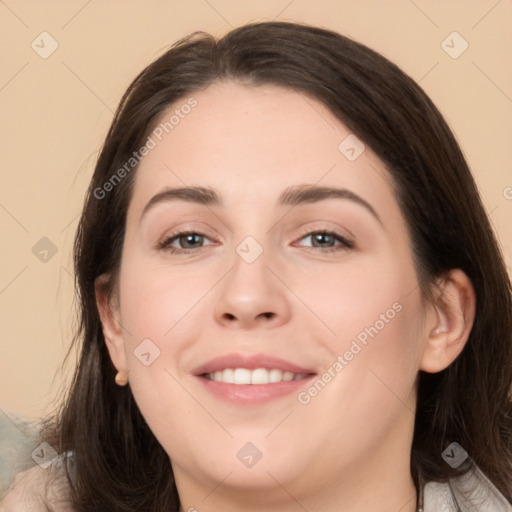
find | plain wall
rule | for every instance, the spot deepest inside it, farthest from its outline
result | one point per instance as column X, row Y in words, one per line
column 55, row 112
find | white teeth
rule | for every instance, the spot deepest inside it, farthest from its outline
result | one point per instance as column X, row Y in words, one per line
column 258, row 376
column 227, row 376
column 241, row 376
column 287, row 376
column 275, row 375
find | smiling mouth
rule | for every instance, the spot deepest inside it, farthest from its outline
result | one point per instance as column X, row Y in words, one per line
column 244, row 376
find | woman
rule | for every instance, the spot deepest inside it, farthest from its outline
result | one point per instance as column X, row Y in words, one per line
column 291, row 296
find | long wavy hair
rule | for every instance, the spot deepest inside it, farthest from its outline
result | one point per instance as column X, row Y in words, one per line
column 119, row 464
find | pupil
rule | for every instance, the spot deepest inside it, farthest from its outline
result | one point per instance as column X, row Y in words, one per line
column 189, row 239
column 322, row 237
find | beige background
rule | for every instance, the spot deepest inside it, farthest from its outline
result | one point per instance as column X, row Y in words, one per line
column 56, row 111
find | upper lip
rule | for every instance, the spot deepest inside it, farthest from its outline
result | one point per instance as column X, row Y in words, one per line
column 250, row 362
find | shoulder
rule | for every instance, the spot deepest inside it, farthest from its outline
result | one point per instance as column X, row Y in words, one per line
column 36, row 488
column 472, row 491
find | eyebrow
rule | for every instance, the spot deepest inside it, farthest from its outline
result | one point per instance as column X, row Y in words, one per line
column 291, row 196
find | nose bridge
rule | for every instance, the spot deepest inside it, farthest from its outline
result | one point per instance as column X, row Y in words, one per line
column 249, row 276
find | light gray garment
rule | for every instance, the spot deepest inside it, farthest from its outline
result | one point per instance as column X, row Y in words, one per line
column 472, row 492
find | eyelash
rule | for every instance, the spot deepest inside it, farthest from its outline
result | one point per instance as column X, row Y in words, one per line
column 345, row 244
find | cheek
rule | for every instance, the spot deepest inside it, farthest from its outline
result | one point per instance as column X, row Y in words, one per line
column 157, row 302
column 373, row 313
column 369, row 298
column 164, row 311
column 155, row 311
column 365, row 392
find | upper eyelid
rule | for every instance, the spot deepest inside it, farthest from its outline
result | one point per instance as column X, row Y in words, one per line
column 199, row 230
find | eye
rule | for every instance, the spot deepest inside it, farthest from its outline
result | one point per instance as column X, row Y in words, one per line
column 183, row 241
column 187, row 241
column 327, row 241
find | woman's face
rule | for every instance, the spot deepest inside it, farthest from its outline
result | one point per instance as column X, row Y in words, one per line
column 273, row 282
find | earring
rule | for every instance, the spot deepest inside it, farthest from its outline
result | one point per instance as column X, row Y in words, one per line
column 121, row 378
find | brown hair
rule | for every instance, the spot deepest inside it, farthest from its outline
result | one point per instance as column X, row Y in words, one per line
column 119, row 465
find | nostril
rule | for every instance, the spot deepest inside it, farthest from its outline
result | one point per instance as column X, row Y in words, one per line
column 230, row 316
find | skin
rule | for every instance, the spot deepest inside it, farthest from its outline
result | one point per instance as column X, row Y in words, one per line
column 348, row 449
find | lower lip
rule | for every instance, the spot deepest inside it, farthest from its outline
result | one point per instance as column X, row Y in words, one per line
column 253, row 394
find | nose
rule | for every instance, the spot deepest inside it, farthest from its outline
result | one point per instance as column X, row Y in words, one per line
column 252, row 296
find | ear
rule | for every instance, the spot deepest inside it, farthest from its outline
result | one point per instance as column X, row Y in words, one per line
column 450, row 321
column 108, row 308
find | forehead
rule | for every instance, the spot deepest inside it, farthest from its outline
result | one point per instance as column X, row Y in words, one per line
column 251, row 142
